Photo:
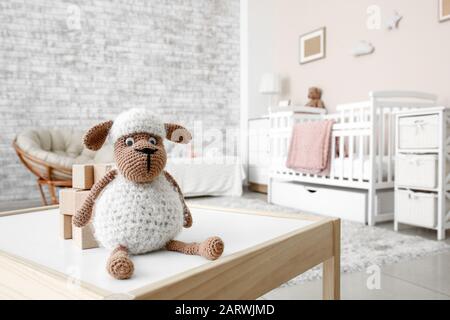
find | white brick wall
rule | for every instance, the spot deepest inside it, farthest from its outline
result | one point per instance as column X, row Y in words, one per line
column 178, row 57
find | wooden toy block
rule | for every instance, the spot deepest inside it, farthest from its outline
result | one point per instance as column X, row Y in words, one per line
column 82, row 176
column 66, row 226
column 100, row 169
column 83, row 237
column 70, row 200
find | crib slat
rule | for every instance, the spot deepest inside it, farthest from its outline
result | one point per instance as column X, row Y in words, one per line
column 361, row 148
column 333, row 153
column 351, row 139
column 389, row 147
column 361, row 157
column 381, row 146
column 351, row 142
column 341, row 155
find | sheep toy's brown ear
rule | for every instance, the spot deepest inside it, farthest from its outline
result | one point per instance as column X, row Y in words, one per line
column 177, row 133
column 96, row 136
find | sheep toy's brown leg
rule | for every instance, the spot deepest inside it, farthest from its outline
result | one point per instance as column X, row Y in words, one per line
column 210, row 249
column 119, row 264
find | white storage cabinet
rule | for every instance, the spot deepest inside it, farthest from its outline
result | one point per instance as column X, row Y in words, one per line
column 421, row 173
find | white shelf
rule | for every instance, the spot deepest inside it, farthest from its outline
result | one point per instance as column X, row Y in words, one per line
column 416, row 207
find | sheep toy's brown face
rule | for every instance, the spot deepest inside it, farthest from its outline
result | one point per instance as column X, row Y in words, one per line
column 140, row 157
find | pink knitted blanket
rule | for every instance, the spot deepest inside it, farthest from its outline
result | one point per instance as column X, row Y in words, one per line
column 309, row 151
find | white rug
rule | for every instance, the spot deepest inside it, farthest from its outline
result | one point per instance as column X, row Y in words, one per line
column 361, row 245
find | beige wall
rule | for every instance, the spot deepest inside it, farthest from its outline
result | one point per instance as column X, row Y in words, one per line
column 414, row 57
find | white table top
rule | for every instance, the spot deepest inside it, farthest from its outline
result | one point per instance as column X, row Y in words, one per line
column 36, row 237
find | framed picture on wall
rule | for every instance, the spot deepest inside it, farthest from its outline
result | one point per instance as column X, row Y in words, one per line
column 444, row 10
column 312, row 46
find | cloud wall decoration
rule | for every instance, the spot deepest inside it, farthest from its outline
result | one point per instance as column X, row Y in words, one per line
column 362, row 48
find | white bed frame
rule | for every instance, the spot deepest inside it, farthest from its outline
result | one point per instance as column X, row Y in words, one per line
column 367, row 129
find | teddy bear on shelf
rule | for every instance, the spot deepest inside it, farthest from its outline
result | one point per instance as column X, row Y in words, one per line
column 139, row 206
column 314, row 96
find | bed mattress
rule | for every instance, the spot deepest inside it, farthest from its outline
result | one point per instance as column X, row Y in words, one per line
column 221, row 176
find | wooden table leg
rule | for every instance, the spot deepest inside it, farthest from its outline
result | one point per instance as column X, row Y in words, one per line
column 332, row 267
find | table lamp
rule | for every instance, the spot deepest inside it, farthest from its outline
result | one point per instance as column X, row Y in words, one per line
column 270, row 85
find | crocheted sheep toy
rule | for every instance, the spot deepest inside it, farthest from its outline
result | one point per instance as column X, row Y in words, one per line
column 139, row 207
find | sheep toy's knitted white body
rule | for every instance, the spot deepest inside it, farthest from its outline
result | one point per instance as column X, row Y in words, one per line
column 141, row 217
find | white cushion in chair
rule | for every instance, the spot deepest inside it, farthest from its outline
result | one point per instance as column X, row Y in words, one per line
column 59, row 147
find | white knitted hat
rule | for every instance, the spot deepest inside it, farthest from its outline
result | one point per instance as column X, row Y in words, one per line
column 136, row 120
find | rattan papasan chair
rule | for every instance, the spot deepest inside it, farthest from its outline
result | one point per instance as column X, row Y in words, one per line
column 50, row 153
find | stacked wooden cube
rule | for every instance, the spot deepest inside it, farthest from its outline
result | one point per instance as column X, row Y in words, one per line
column 84, row 176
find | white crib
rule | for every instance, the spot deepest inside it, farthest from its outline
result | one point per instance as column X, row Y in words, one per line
column 362, row 155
